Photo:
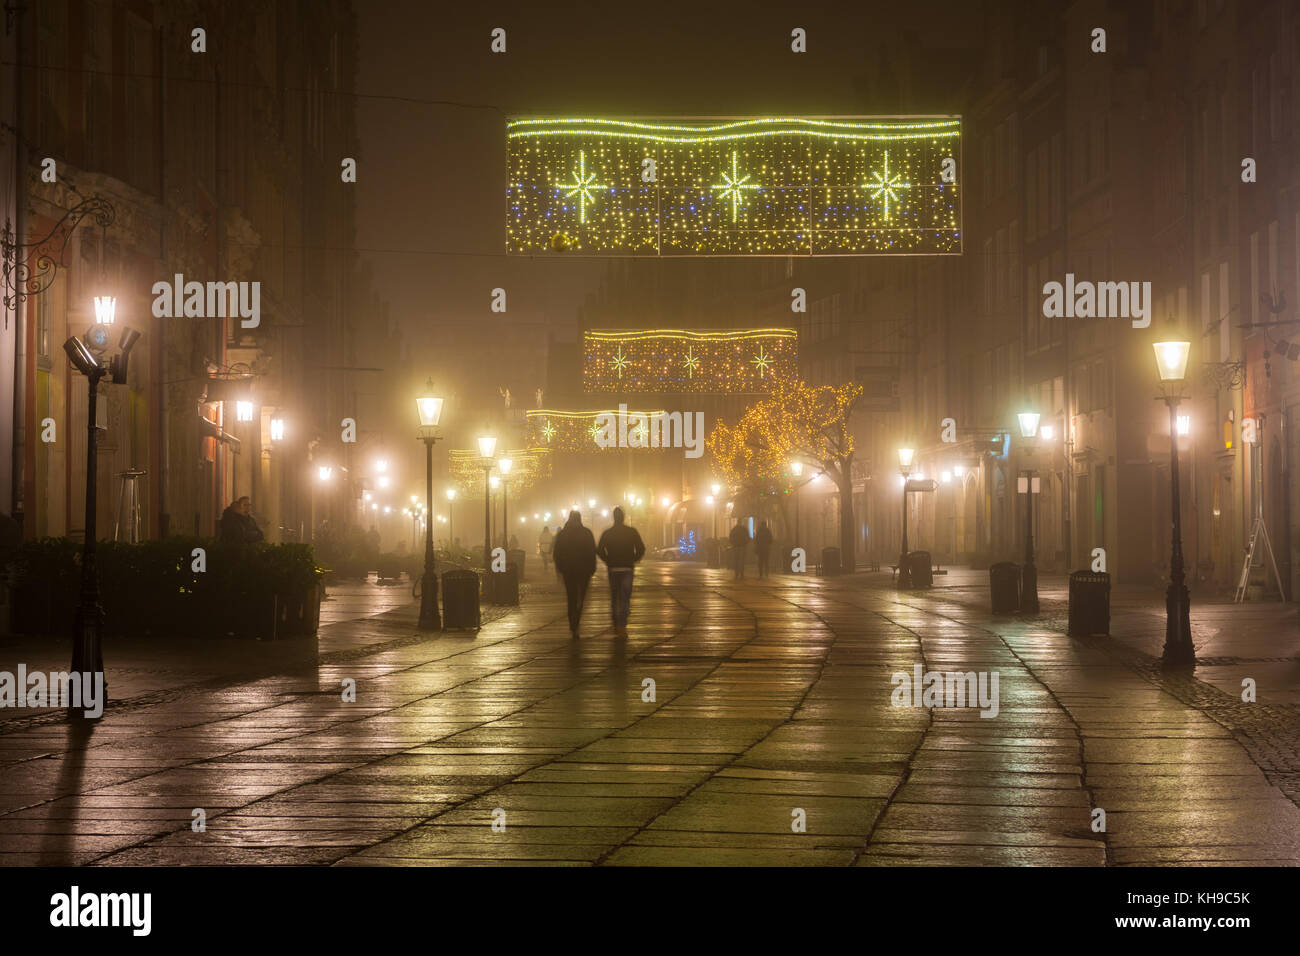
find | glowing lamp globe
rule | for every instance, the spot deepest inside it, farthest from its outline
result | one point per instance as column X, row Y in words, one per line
column 487, row 446
column 905, row 456
column 105, row 309
column 796, row 468
column 1171, row 360
column 429, row 406
column 1028, row 424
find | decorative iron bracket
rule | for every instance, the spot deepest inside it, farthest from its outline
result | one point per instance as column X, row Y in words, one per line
column 1225, row 374
column 30, row 267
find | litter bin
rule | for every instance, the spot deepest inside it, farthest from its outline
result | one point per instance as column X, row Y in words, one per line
column 1004, row 587
column 713, row 552
column 502, row 587
column 460, row 606
column 830, row 561
column 921, row 567
column 517, row 556
column 1089, row 603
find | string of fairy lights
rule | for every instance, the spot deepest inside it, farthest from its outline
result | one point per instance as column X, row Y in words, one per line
column 588, row 431
column 652, row 361
column 769, row 186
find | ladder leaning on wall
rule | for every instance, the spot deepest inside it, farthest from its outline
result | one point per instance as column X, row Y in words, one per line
column 1257, row 533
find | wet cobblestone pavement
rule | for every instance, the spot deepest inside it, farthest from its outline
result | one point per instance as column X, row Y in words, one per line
column 771, row 706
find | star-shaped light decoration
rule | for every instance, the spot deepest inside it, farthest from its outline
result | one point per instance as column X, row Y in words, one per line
column 886, row 186
column 692, row 362
column 762, row 361
column 548, row 431
column 619, row 361
column 643, row 433
column 582, row 186
column 595, row 431
column 732, row 185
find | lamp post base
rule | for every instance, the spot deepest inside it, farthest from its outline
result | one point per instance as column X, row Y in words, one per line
column 904, row 573
column 1029, row 588
column 429, row 617
column 1179, row 651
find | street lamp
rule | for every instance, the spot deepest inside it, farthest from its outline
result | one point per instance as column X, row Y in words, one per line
column 504, row 465
column 429, row 408
column 1171, row 363
column 1029, row 573
column 277, row 429
column 905, row 456
column 243, row 411
column 487, row 449
column 88, row 620
column 451, row 515
column 796, row 470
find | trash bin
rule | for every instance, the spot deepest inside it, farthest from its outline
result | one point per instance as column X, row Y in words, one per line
column 460, row 606
column 502, row 587
column 1004, row 587
column 918, row 562
column 830, row 561
column 1089, row 603
column 516, row 556
column 713, row 552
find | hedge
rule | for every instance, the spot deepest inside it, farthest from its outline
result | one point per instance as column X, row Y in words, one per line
column 151, row 588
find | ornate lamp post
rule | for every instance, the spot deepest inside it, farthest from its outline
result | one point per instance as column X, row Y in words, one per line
column 451, row 516
column 1029, row 573
column 429, row 408
column 1171, row 362
column 796, row 470
column 85, row 354
column 503, row 466
column 487, row 448
column 905, row 456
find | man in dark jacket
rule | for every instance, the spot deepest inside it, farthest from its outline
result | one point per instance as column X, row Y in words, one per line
column 575, row 559
column 620, row 548
column 739, row 543
column 238, row 525
column 763, row 548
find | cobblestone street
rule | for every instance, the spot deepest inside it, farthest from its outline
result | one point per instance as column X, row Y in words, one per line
column 770, row 697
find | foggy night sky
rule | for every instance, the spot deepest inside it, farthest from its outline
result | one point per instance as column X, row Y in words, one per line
column 431, row 176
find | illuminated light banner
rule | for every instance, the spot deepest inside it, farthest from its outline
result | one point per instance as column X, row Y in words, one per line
column 581, row 431
column 750, row 187
column 742, row 362
column 528, row 467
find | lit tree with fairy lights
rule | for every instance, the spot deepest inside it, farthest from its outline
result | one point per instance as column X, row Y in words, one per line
column 809, row 423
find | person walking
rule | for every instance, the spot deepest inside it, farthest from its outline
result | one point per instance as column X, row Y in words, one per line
column 763, row 548
column 739, row 542
column 544, row 545
column 575, row 560
column 620, row 548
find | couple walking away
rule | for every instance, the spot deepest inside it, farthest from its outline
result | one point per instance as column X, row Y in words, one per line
column 575, row 556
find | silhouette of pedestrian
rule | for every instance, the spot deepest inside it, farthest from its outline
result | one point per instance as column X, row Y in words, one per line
column 739, row 542
column 763, row 548
column 620, row 548
column 575, row 559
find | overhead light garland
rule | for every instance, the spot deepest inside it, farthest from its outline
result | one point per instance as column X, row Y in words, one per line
column 764, row 186
column 571, row 431
column 653, row 361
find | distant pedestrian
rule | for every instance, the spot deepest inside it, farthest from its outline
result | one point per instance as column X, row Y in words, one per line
column 575, row 559
column 739, row 543
column 763, row 548
column 238, row 525
column 544, row 545
column 620, row 548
